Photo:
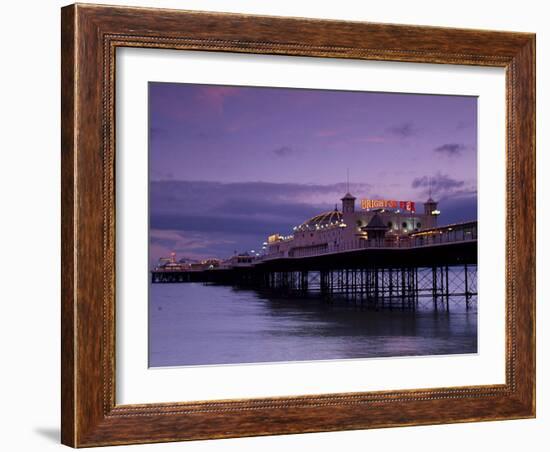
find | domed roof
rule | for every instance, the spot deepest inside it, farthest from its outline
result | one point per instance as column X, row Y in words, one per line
column 324, row 219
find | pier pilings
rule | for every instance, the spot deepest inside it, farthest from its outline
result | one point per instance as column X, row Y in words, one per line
column 403, row 288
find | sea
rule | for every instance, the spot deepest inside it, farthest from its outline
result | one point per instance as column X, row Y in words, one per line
column 194, row 324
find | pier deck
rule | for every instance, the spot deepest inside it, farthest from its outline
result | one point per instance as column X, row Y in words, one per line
column 376, row 276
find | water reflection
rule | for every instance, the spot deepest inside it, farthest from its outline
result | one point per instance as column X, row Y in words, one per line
column 194, row 324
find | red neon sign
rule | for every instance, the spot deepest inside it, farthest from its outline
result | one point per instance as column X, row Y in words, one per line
column 387, row 204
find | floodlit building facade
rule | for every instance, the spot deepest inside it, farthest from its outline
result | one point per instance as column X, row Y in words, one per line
column 373, row 223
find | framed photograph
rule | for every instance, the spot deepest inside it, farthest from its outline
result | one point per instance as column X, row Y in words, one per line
column 281, row 225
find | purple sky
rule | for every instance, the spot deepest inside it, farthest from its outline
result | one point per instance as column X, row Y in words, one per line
column 231, row 165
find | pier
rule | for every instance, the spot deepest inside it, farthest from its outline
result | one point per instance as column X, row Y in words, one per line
column 439, row 269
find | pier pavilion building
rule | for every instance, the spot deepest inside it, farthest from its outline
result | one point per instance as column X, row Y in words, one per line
column 372, row 223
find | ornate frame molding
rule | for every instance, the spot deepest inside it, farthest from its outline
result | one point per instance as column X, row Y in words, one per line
column 90, row 37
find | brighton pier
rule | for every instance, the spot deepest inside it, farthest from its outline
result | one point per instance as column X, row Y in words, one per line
column 385, row 255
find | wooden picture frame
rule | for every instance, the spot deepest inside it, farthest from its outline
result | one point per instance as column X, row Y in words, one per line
column 90, row 36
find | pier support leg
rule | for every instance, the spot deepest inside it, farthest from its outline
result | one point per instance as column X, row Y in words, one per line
column 466, row 286
column 416, row 288
column 375, row 274
column 402, row 289
column 447, row 287
column 434, row 287
column 390, row 285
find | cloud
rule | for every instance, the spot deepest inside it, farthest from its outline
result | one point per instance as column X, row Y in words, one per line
column 457, row 200
column 439, row 185
column 458, row 209
column 217, row 224
column 242, row 213
column 451, row 149
column 283, row 151
column 402, row 131
column 199, row 219
column 207, row 195
column 268, row 209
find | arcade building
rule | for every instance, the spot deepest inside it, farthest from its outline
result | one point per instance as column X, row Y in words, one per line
column 372, row 223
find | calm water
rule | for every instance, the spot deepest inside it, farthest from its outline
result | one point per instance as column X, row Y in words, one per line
column 193, row 324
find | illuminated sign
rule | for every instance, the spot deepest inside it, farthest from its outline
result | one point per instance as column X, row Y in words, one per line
column 387, row 204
